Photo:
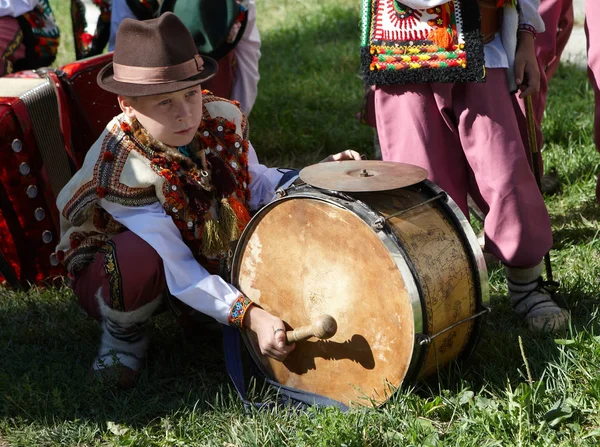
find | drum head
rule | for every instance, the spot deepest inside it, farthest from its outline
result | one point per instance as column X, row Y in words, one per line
column 304, row 257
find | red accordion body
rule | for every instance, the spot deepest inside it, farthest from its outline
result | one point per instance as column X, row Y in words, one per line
column 48, row 121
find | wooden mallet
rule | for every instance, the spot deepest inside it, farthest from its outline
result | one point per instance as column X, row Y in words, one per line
column 323, row 327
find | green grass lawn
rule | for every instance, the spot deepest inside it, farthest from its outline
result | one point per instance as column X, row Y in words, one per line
column 516, row 389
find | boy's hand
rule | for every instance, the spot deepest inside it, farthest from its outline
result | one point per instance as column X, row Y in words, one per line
column 348, row 154
column 527, row 71
column 270, row 332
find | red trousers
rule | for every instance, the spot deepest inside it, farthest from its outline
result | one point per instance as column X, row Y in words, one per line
column 127, row 271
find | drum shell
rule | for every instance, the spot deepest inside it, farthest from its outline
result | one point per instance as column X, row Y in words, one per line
column 421, row 245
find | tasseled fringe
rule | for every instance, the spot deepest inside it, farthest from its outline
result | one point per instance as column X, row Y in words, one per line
column 241, row 212
column 228, row 221
column 213, row 243
column 442, row 37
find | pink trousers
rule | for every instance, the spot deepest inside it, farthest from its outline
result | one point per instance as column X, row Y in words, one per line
column 558, row 18
column 467, row 137
column 592, row 31
column 11, row 44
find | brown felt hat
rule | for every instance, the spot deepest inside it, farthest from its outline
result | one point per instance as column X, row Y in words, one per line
column 153, row 57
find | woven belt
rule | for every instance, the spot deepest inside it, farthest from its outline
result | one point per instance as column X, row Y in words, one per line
column 491, row 19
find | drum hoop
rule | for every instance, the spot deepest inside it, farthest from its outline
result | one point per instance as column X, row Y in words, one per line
column 371, row 218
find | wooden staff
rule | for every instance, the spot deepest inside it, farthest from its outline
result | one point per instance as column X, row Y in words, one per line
column 323, row 327
column 535, row 166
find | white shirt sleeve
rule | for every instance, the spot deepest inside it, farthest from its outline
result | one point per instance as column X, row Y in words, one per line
column 245, row 72
column 16, row 8
column 263, row 181
column 529, row 14
column 186, row 279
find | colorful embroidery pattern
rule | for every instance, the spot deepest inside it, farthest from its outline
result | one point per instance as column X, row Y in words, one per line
column 111, row 268
column 404, row 45
column 45, row 35
column 207, row 204
column 238, row 311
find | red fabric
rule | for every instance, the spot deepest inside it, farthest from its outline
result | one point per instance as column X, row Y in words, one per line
column 222, row 84
column 141, row 277
column 91, row 107
column 9, row 29
column 21, row 242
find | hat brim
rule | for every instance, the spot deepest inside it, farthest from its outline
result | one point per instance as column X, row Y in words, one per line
column 107, row 81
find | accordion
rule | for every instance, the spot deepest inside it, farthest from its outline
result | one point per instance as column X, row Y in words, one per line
column 48, row 120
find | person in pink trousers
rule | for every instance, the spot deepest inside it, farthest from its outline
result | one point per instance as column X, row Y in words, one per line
column 558, row 19
column 592, row 31
column 466, row 133
column 558, row 16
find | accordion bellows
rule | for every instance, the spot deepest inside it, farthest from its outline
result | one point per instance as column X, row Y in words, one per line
column 402, row 45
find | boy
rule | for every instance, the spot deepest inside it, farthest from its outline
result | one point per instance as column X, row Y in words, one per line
column 167, row 187
column 465, row 133
column 225, row 31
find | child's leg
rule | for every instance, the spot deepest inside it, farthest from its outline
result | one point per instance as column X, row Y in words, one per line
column 414, row 127
column 123, row 287
column 517, row 225
column 11, row 44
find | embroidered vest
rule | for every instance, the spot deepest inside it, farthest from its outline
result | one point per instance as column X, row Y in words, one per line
column 204, row 194
column 402, row 45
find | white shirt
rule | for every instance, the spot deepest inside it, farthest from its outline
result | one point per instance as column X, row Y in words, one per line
column 16, row 8
column 186, row 279
column 495, row 54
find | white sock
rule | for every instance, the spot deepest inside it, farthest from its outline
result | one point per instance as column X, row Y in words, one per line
column 125, row 335
column 531, row 300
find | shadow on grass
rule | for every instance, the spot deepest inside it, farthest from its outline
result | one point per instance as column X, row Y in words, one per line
column 47, row 345
column 578, row 226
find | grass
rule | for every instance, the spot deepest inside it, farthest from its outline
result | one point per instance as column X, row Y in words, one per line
column 516, row 389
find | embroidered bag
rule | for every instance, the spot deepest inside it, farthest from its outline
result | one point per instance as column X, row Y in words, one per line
column 401, row 45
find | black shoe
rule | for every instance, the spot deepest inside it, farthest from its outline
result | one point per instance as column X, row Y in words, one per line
column 549, row 183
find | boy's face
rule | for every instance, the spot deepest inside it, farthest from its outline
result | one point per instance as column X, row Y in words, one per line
column 172, row 118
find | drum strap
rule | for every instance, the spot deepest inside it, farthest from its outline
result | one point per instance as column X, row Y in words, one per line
column 287, row 396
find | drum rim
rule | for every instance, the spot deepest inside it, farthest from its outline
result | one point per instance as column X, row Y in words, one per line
column 371, row 218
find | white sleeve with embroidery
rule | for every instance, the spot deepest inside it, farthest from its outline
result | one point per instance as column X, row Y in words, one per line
column 529, row 14
column 186, row 279
column 263, row 181
column 16, row 8
column 245, row 72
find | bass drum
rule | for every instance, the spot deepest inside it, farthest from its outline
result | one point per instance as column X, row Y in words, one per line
column 400, row 271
